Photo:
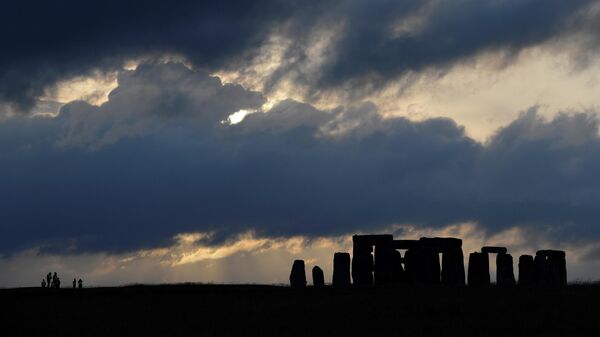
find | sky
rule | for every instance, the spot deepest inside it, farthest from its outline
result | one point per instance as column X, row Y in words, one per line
column 217, row 141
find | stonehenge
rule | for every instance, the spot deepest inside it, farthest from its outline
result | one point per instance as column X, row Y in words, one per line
column 420, row 265
column 379, row 260
column 298, row 275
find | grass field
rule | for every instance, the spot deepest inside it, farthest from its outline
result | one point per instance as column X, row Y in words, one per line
column 253, row 310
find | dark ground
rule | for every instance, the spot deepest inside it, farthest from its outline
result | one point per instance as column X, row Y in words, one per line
column 233, row 310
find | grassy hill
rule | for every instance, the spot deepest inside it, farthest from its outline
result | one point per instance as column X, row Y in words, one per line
column 253, row 310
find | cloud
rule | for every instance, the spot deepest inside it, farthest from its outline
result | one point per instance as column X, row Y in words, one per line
column 372, row 42
column 156, row 161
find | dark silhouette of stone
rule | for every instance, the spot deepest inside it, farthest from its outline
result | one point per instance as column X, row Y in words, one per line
column 479, row 270
column 362, row 261
column 298, row 275
column 80, row 283
column 49, row 280
column 74, row 283
column 376, row 260
column 341, row 270
column 505, row 276
column 453, row 267
column 399, row 273
column 550, row 268
column 430, row 266
column 367, row 269
column 526, row 270
column 494, row 250
column 318, row 277
column 539, row 270
column 411, row 264
column 384, row 261
column 422, row 266
column 406, row 244
column 441, row 244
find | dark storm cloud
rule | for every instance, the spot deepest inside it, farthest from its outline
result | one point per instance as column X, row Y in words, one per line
column 451, row 31
column 155, row 161
column 46, row 41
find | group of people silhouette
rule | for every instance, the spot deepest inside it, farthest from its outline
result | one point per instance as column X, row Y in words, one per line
column 53, row 281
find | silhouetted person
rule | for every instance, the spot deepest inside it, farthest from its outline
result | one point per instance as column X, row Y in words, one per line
column 80, row 283
column 318, row 277
column 74, row 283
column 49, row 280
column 54, row 280
column 298, row 275
column 43, row 283
column 57, row 282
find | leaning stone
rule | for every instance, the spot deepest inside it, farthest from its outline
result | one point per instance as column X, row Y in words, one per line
column 298, row 275
column 318, row 277
column 341, row 270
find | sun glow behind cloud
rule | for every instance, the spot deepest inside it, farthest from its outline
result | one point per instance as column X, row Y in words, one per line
column 249, row 258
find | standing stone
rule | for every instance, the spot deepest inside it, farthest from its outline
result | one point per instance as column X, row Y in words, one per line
column 552, row 267
column 384, row 260
column 431, row 266
column 298, row 275
column 399, row 273
column 341, row 270
column 411, row 263
column 479, row 270
column 505, row 276
column 526, row 270
column 422, row 266
column 362, row 262
column 318, row 277
column 453, row 267
column 540, row 270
